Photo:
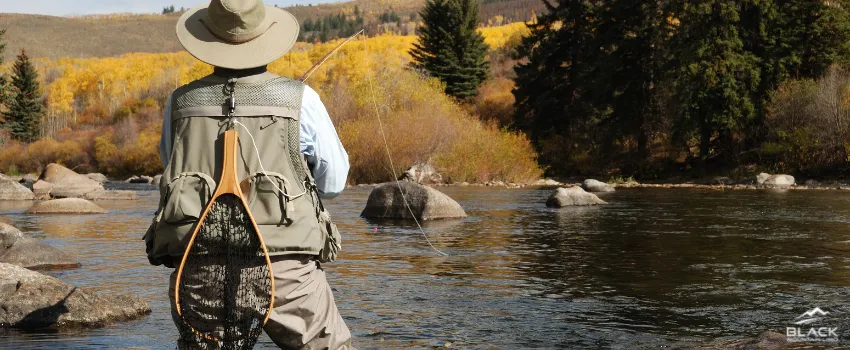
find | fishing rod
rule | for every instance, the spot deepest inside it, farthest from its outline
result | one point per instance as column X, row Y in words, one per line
column 327, row 56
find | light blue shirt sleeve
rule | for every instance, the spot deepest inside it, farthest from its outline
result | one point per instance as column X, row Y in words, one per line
column 320, row 144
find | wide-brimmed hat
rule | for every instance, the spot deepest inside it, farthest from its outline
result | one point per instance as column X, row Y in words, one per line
column 237, row 34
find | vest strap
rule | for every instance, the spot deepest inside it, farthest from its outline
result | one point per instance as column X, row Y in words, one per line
column 241, row 111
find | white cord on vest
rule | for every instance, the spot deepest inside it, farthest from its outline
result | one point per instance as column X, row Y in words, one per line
column 254, row 143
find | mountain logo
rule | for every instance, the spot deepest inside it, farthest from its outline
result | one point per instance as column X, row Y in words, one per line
column 810, row 316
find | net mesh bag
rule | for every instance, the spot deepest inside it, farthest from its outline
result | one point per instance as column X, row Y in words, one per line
column 225, row 288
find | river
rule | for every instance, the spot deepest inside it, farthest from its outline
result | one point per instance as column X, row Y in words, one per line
column 654, row 268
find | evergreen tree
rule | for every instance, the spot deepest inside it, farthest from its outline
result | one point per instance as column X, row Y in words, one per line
column 450, row 46
column 26, row 110
column 551, row 104
column 634, row 36
column 716, row 76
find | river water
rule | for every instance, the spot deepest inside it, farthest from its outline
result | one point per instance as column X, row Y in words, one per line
column 654, row 268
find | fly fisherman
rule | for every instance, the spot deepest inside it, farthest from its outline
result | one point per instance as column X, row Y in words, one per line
column 289, row 124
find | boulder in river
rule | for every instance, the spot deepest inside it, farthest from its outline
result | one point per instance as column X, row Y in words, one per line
column 12, row 190
column 591, row 185
column 424, row 174
column 100, row 178
column 66, row 206
column 67, row 183
column 156, row 180
column 18, row 249
column 139, row 180
column 774, row 181
column 572, row 196
column 812, row 183
column 546, row 182
column 31, row 300
column 386, row 202
column 41, row 189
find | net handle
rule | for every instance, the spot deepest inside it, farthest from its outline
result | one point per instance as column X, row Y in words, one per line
column 229, row 181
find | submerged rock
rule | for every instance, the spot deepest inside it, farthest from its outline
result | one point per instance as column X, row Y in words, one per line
column 18, row 249
column 765, row 341
column 111, row 195
column 67, row 183
column 591, row 185
column 30, row 300
column 386, row 202
column 66, row 206
column 572, row 196
column 12, row 190
column 424, row 174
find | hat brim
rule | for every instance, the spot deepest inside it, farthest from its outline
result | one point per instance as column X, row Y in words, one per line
column 268, row 47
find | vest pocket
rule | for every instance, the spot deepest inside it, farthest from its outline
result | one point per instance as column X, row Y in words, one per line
column 187, row 197
column 333, row 239
column 267, row 205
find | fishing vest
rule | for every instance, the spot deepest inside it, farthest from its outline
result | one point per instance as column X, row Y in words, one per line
column 269, row 106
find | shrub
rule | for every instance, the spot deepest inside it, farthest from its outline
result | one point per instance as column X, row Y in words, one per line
column 423, row 125
column 809, row 124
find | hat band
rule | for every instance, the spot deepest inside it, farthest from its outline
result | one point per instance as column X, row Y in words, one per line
column 237, row 38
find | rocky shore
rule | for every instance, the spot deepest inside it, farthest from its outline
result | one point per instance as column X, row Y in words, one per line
column 33, row 300
column 761, row 181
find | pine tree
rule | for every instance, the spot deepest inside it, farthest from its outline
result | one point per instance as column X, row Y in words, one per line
column 26, row 110
column 551, row 102
column 716, row 76
column 450, row 46
column 634, row 36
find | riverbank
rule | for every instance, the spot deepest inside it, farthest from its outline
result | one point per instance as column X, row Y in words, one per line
column 825, row 186
column 717, row 183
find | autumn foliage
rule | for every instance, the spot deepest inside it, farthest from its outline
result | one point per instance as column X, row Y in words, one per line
column 104, row 114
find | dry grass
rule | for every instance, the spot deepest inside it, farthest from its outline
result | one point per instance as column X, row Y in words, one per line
column 59, row 37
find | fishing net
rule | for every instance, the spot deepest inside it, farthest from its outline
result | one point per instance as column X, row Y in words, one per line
column 225, row 287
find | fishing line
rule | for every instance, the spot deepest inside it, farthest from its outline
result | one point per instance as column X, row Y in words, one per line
column 380, row 126
column 389, row 155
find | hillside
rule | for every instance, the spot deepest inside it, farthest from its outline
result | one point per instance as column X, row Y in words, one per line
column 57, row 37
column 112, row 35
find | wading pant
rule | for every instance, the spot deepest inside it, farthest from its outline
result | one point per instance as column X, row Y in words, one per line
column 305, row 315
